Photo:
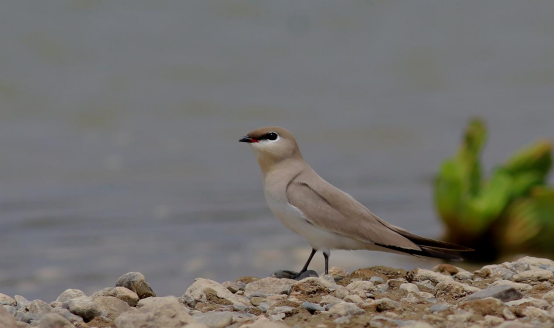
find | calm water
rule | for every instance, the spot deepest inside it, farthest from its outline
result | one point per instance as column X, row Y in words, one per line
column 119, row 124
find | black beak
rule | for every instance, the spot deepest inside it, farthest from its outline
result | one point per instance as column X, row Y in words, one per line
column 246, row 139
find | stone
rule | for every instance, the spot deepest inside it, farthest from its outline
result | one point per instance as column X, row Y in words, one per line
column 6, row 319
column 307, row 274
column 265, row 323
column 493, row 321
column 38, row 306
column 533, row 275
column 416, row 324
column 70, row 294
column 204, row 290
column 136, row 282
column 463, row 275
column 505, row 293
column 380, row 321
column 215, row 319
column 543, row 304
column 338, row 273
column 534, row 312
column 460, row 316
column 7, row 300
column 549, row 296
column 454, row 289
column 256, row 300
column 53, row 320
column 112, row 307
column 328, row 301
column 343, row 320
column 21, row 302
column 83, row 307
column 353, row 299
column 312, row 285
column 282, row 310
column 74, row 319
column 23, row 325
column 28, row 317
column 411, row 299
column 386, row 304
column 409, row 287
column 519, row 266
column 376, row 280
column 421, row 275
column 312, row 307
column 485, row 306
column 232, row 286
column 344, row 309
column 264, row 307
column 269, row 286
column 508, row 315
column 284, row 274
column 363, row 274
column 498, row 271
column 166, row 312
column 518, row 286
column 439, row 307
column 381, row 288
column 361, row 288
column 126, row 295
column 11, row 309
column 446, row 269
column 535, row 261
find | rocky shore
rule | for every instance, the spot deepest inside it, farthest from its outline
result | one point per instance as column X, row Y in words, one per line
column 516, row 294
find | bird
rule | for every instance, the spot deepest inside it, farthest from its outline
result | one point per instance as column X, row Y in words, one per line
column 326, row 217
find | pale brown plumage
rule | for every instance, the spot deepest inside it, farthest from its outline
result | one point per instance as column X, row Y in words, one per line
column 294, row 190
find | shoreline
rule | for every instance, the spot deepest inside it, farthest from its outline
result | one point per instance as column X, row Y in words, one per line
column 511, row 294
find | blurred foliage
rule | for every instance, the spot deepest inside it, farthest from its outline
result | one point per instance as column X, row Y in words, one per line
column 510, row 212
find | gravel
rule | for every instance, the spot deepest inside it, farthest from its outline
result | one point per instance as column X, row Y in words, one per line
column 511, row 294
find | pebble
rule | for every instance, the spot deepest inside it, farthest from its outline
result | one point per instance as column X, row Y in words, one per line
column 70, row 294
column 344, row 309
column 7, row 300
column 518, row 286
column 533, row 275
column 6, row 319
column 54, row 320
column 126, row 295
column 232, row 286
column 376, row 280
column 83, row 307
column 269, row 286
column 165, row 312
column 505, row 293
column 201, row 289
column 136, row 282
column 517, row 293
column 282, row 309
column 386, row 304
column 112, row 307
column 264, row 307
column 439, row 307
column 215, row 319
column 312, row 307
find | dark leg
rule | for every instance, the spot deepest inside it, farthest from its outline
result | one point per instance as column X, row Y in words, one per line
column 326, row 254
column 305, row 268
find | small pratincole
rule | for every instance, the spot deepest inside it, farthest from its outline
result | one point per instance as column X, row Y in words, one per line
column 325, row 216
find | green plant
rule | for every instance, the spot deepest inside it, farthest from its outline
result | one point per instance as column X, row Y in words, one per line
column 487, row 214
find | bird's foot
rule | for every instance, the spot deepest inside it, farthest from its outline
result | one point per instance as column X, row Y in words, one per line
column 284, row 274
column 306, row 274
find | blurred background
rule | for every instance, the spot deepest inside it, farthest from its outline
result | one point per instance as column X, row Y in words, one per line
column 119, row 123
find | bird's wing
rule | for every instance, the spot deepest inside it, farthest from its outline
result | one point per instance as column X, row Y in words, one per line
column 329, row 208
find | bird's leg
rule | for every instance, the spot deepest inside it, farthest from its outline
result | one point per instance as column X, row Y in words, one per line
column 326, row 254
column 305, row 268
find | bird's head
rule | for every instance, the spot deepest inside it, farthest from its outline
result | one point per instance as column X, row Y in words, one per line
column 272, row 145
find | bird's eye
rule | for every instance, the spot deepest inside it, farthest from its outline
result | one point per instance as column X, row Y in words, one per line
column 272, row 136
